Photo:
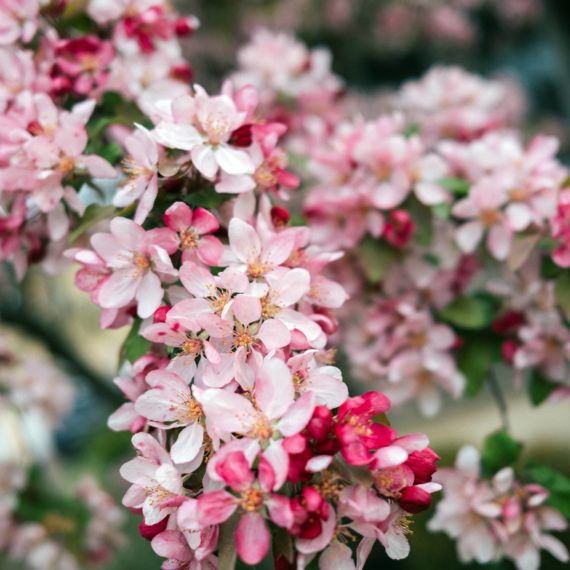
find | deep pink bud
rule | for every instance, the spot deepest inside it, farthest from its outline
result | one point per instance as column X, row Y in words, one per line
column 320, row 424
column 423, row 464
column 184, row 26
column 414, row 500
column 182, row 72
column 149, row 531
column 241, row 136
column 312, row 499
column 280, row 216
column 508, row 322
column 399, row 228
column 295, row 443
column 508, row 350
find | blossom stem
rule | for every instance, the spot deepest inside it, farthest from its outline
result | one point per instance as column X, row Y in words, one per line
column 499, row 398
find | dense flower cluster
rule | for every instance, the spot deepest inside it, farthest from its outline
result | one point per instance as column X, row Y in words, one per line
column 296, row 85
column 47, row 99
column 430, row 199
column 498, row 517
column 437, row 218
column 250, row 423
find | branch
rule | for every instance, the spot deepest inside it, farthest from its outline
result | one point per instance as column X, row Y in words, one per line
column 59, row 348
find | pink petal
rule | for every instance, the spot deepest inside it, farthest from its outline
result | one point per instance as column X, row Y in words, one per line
column 210, row 250
column 252, row 538
column 178, row 217
column 469, row 235
column 197, row 280
column 205, row 161
column 499, row 241
column 280, row 511
column 215, row 507
column 235, row 471
column 274, row 390
column 204, row 222
column 233, row 161
column 188, row 444
column 98, row 167
column 390, row 456
column 171, row 544
column 149, row 295
column 119, row 289
column 274, row 334
column 246, row 309
column 298, row 415
column 244, row 240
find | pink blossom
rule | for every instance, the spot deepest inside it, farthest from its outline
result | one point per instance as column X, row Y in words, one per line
column 157, row 486
column 141, row 167
column 203, row 126
column 192, row 228
column 139, row 260
column 252, row 535
column 170, row 402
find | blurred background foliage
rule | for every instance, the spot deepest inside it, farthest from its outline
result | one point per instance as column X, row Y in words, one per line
column 373, row 50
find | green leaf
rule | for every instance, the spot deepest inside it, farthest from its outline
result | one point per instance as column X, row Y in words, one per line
column 421, row 215
column 475, row 359
column 111, row 152
column 456, row 186
column 556, row 483
column 134, row 346
column 376, row 258
column 562, row 293
column 539, row 388
column 207, row 198
column 468, row 312
column 411, row 129
column 500, row 450
column 93, row 214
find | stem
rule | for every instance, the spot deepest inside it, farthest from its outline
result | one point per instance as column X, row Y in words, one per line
column 59, row 348
column 499, row 398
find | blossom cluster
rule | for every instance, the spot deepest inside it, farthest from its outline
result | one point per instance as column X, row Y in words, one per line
column 498, row 517
column 428, row 201
column 52, row 83
column 239, row 416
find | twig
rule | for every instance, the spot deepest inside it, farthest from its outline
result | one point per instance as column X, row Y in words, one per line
column 499, row 398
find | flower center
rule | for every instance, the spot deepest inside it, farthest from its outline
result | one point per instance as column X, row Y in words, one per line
column 141, row 261
column 158, row 494
column 261, row 430
column 189, row 239
column 190, row 411
column 192, row 346
column 251, row 499
column 417, row 340
column 257, row 269
column 216, row 129
column 134, row 170
column 490, row 217
column 268, row 310
column 218, row 303
column 243, row 338
column 518, row 195
column 66, row 165
column 264, row 176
